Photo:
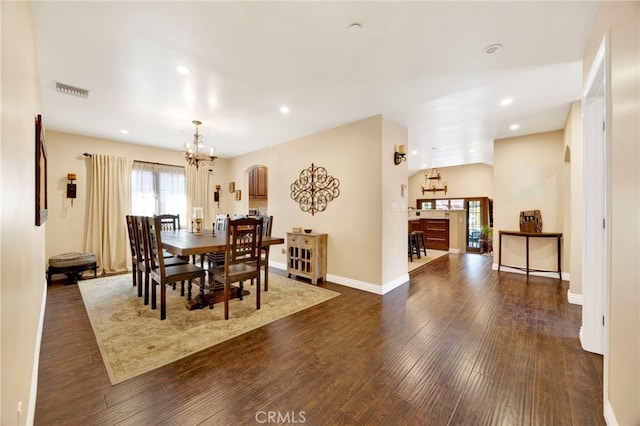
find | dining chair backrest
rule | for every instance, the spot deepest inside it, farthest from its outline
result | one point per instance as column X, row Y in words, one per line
column 244, row 242
column 153, row 226
column 144, row 252
column 133, row 235
column 267, row 224
column 221, row 222
column 169, row 222
column 133, row 244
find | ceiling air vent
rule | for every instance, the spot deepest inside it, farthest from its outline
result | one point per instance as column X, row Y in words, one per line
column 73, row 91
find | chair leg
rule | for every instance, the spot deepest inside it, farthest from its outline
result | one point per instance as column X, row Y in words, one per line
column 258, row 288
column 266, row 272
column 138, row 281
column 163, row 301
column 134, row 270
column 241, row 289
column 409, row 245
column 226, row 300
column 153, row 295
column 146, row 289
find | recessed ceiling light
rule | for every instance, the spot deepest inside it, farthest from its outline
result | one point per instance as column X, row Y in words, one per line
column 124, row 131
column 492, row 48
column 506, row 101
column 284, row 109
column 354, row 28
column 514, row 127
column 183, row 70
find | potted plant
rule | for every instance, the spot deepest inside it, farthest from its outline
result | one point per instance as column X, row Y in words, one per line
column 486, row 241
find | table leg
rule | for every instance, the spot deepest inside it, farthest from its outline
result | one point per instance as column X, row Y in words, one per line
column 527, row 239
column 559, row 258
column 499, row 251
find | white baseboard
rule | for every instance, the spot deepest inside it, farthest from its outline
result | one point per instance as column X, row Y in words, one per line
column 454, row 250
column 609, row 415
column 565, row 275
column 359, row 285
column 33, row 391
column 573, row 298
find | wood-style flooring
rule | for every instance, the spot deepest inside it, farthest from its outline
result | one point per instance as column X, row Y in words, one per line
column 459, row 345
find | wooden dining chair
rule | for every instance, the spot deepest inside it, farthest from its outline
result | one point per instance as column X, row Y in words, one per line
column 163, row 275
column 242, row 260
column 133, row 244
column 169, row 222
column 144, row 261
column 267, row 224
column 219, row 227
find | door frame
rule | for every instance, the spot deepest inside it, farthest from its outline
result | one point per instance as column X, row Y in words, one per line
column 596, row 248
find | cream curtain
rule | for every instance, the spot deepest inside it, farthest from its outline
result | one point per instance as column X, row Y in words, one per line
column 200, row 191
column 109, row 202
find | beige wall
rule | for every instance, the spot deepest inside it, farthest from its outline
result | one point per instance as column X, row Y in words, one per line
column 472, row 180
column 358, row 155
column 529, row 175
column 66, row 230
column 573, row 202
column 22, row 254
column 622, row 21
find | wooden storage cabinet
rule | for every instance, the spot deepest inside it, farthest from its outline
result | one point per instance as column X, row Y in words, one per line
column 307, row 255
column 258, row 182
column 436, row 232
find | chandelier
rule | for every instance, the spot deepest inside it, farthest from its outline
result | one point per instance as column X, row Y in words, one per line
column 194, row 152
column 433, row 182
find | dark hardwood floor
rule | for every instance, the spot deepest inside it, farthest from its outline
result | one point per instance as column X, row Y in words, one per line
column 459, row 345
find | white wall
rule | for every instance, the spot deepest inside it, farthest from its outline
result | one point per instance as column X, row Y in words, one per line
column 22, row 255
column 356, row 154
column 66, row 230
column 573, row 203
column 622, row 21
column 472, row 180
column 529, row 175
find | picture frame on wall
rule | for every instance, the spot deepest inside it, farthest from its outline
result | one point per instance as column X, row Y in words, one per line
column 238, row 195
column 232, row 187
column 41, row 172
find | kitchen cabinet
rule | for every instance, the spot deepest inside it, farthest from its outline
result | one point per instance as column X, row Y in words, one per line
column 436, row 232
column 258, row 182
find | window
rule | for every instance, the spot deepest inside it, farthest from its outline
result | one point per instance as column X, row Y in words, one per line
column 158, row 189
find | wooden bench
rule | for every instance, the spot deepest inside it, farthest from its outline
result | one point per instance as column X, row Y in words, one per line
column 72, row 264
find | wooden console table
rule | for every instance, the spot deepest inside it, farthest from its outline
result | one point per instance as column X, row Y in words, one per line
column 527, row 235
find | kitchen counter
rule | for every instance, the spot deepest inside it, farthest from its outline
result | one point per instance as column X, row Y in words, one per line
column 457, row 225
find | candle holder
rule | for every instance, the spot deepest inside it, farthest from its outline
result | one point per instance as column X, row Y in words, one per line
column 198, row 215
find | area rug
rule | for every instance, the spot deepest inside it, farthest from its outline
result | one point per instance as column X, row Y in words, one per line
column 430, row 257
column 133, row 340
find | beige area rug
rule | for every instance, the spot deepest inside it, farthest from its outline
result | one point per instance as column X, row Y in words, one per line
column 133, row 340
column 431, row 256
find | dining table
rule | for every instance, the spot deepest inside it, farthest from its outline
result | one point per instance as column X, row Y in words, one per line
column 185, row 242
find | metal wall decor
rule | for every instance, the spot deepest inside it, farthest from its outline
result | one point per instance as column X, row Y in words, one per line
column 314, row 189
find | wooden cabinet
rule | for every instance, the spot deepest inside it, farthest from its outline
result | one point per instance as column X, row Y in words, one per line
column 307, row 255
column 436, row 232
column 258, row 182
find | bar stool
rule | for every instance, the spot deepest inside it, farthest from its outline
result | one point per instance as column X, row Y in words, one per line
column 414, row 248
column 420, row 243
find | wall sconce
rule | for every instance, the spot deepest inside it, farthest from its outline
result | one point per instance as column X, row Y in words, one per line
column 400, row 154
column 71, row 187
column 216, row 195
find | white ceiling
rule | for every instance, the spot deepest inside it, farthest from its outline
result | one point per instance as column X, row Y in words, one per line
column 422, row 64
